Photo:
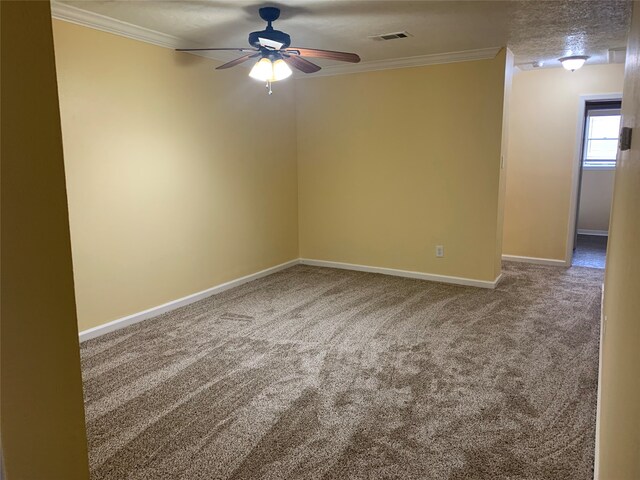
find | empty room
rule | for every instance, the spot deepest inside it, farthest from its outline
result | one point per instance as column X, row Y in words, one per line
column 320, row 240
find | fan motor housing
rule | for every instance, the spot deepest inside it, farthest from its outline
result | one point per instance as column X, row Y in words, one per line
column 271, row 34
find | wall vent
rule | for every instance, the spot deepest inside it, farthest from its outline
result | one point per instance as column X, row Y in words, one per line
column 530, row 65
column 390, row 36
column 617, row 55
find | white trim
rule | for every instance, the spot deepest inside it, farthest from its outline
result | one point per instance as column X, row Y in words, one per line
column 538, row 261
column 597, row 233
column 601, row 168
column 86, row 18
column 404, row 273
column 407, row 62
column 180, row 302
column 573, row 203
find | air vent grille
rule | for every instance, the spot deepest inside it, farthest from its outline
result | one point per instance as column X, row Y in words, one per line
column 617, row 55
column 390, row 36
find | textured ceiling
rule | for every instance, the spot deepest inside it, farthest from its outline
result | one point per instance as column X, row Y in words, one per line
column 535, row 30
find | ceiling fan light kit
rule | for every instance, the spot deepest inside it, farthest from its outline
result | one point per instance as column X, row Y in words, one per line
column 281, row 70
column 268, row 71
column 276, row 57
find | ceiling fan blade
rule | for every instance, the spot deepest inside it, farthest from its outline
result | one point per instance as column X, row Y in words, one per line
column 237, row 61
column 221, row 49
column 301, row 64
column 327, row 54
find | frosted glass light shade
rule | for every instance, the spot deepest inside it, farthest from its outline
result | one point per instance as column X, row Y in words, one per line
column 280, row 70
column 262, row 70
column 573, row 63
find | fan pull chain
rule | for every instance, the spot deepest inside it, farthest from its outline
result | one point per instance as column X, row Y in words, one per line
column 268, row 86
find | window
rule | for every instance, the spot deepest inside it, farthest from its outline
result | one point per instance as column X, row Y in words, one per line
column 602, row 128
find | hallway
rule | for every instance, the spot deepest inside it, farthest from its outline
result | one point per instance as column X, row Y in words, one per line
column 590, row 251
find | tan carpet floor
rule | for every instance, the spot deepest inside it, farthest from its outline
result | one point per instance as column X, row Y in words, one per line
column 316, row 373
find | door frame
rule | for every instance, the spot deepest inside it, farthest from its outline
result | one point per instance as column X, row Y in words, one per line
column 576, row 173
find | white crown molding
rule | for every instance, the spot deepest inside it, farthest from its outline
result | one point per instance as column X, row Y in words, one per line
column 76, row 15
column 85, row 18
column 69, row 13
column 408, row 62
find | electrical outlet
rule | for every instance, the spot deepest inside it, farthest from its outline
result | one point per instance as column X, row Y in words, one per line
column 439, row 251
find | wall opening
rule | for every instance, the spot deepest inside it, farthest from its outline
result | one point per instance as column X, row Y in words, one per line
column 598, row 151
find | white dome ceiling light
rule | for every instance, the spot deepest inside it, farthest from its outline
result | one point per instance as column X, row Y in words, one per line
column 574, row 62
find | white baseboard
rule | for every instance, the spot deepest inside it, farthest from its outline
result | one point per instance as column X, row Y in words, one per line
column 180, row 302
column 539, row 261
column 404, row 273
column 597, row 233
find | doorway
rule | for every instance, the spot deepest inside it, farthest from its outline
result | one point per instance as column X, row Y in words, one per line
column 598, row 152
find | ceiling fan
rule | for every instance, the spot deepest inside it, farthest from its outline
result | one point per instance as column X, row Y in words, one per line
column 275, row 54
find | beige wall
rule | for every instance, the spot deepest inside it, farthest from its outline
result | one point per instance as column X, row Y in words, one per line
column 542, row 155
column 393, row 163
column 179, row 177
column 43, row 434
column 618, row 457
column 596, row 193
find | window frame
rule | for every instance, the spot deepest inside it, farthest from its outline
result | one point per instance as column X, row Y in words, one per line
column 598, row 112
